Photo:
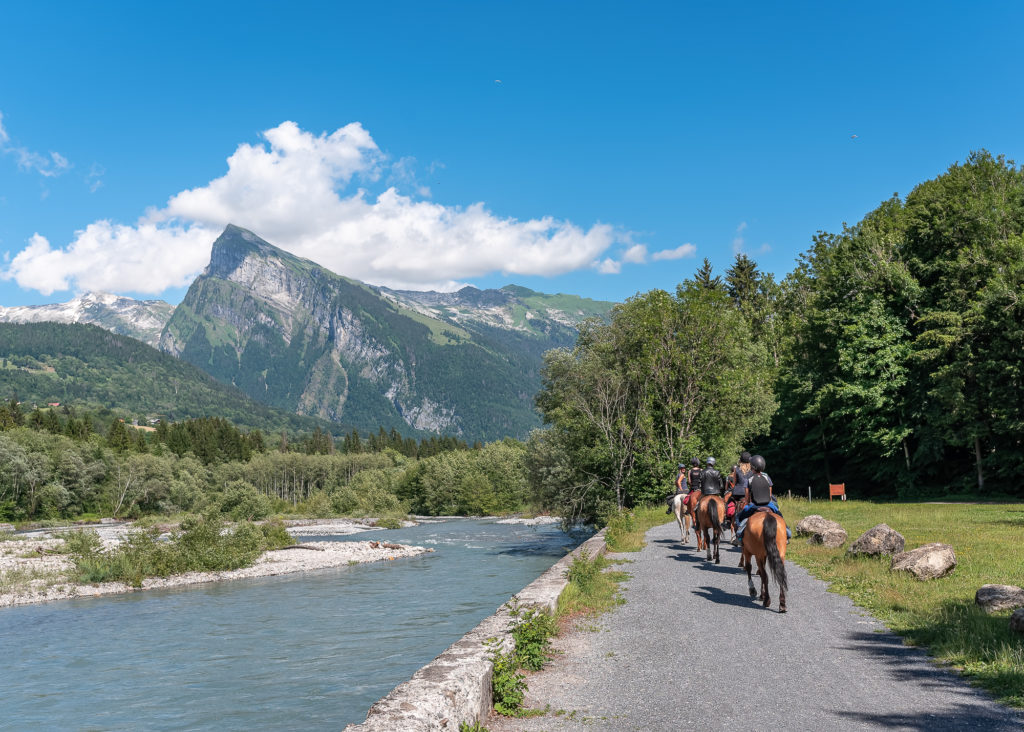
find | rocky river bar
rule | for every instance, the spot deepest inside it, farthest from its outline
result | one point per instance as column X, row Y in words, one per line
column 30, row 574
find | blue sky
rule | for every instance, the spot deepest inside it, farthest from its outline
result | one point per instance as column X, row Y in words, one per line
column 568, row 147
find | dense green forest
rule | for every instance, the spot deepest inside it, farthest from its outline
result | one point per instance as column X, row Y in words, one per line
column 890, row 359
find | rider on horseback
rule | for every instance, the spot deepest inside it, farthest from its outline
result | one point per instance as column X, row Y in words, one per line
column 694, row 480
column 711, row 480
column 738, row 480
column 681, row 487
column 759, row 489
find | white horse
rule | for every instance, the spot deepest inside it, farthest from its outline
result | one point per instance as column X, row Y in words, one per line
column 682, row 516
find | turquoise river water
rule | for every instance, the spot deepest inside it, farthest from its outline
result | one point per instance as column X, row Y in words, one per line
column 298, row 652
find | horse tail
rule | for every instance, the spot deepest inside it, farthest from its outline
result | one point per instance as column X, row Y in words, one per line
column 775, row 561
column 716, row 520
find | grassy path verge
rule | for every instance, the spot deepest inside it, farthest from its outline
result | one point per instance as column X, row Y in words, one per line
column 939, row 615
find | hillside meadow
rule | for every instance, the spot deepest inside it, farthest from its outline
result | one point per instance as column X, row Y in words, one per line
column 939, row 615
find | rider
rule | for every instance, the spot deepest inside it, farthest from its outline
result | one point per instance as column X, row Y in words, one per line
column 740, row 478
column 693, row 479
column 711, row 481
column 759, row 490
column 681, row 487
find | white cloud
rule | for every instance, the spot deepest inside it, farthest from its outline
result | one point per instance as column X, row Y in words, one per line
column 738, row 241
column 637, row 254
column 291, row 191
column 609, row 266
column 686, row 250
column 48, row 167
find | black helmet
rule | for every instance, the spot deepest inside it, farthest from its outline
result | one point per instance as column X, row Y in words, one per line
column 744, row 457
column 695, row 463
column 710, row 461
column 757, row 463
column 680, row 466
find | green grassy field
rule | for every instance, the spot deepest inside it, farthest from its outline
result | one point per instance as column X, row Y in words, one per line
column 939, row 615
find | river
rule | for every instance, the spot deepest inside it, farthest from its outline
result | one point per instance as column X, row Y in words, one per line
column 297, row 652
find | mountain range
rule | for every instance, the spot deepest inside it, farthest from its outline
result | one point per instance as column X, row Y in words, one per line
column 297, row 337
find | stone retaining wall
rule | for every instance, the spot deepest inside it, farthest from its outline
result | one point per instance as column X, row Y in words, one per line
column 456, row 686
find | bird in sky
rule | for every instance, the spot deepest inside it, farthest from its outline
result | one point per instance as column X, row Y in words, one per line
column 853, row 137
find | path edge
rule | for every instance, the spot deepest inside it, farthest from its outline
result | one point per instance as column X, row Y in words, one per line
column 456, row 686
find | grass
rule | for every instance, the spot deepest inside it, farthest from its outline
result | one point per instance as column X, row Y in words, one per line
column 22, row 580
column 939, row 615
column 626, row 529
column 591, row 590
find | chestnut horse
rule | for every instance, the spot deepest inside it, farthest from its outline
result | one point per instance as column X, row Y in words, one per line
column 710, row 515
column 765, row 538
column 682, row 517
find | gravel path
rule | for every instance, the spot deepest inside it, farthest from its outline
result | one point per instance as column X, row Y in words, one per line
column 824, row 665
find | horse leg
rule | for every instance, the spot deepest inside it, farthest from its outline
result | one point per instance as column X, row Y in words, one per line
column 718, row 539
column 707, row 543
column 763, row 572
column 745, row 561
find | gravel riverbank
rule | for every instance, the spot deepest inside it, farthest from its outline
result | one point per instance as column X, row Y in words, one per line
column 30, row 574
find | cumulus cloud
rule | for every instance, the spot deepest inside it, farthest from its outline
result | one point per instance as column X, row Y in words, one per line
column 47, row 166
column 294, row 189
column 609, row 266
column 685, row 250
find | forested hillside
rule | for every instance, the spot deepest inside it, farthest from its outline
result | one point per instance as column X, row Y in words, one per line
column 98, row 370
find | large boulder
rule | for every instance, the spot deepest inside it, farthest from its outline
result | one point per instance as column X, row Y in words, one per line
column 930, row 561
column 1017, row 621
column 993, row 598
column 829, row 537
column 815, row 524
column 877, row 541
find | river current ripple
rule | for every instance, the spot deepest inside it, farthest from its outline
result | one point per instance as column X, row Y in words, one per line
column 296, row 652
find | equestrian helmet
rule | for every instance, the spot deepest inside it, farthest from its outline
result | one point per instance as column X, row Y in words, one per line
column 744, row 457
column 711, row 462
column 695, row 462
column 757, row 463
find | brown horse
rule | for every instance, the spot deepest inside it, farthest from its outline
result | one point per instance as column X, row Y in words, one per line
column 710, row 515
column 682, row 517
column 691, row 510
column 765, row 538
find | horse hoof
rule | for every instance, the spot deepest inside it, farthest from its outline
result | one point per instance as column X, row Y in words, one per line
column 782, row 610
column 753, row 594
column 717, row 560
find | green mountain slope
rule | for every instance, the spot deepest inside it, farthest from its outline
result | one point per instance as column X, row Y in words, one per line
column 86, row 365
column 296, row 336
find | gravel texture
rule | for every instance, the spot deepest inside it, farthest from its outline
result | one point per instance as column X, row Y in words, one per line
column 690, row 650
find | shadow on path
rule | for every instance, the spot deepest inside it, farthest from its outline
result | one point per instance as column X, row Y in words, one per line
column 721, row 597
column 954, row 718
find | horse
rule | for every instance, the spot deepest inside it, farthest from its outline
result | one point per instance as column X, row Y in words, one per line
column 765, row 538
column 690, row 505
column 682, row 517
column 710, row 514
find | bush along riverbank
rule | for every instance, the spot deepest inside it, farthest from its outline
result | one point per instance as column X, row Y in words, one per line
column 80, row 563
column 940, row 615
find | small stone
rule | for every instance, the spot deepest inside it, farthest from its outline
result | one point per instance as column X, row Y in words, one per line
column 814, row 524
column 830, row 537
column 1017, row 621
column 930, row 561
column 993, row 598
column 877, row 541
